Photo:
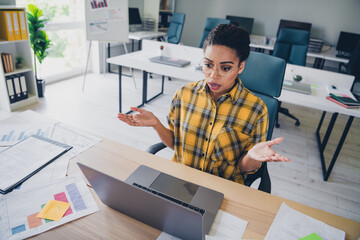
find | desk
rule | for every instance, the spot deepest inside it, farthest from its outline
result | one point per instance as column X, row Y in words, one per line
column 317, row 100
column 328, row 53
column 140, row 60
column 119, row 161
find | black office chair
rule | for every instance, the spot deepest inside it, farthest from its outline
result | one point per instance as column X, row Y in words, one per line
column 291, row 45
column 353, row 68
column 263, row 75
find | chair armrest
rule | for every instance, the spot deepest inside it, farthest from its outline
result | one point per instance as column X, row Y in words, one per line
column 153, row 149
column 263, row 174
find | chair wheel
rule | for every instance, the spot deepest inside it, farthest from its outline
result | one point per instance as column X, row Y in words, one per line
column 297, row 123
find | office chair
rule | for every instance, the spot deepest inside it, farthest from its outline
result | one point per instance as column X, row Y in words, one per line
column 265, row 82
column 353, row 68
column 291, row 45
column 175, row 29
column 210, row 24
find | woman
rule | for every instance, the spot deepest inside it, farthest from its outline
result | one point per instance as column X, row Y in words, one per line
column 217, row 125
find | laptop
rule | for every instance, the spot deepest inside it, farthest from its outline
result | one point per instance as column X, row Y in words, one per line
column 180, row 208
column 297, row 87
column 170, row 61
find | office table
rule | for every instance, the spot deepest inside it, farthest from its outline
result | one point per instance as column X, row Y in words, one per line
column 119, row 161
column 321, row 80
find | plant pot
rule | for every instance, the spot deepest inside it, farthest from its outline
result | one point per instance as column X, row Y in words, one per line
column 19, row 65
column 40, row 83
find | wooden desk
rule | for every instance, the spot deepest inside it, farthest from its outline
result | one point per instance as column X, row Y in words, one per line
column 119, row 161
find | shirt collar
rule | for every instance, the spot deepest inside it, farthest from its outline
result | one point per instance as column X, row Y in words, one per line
column 234, row 92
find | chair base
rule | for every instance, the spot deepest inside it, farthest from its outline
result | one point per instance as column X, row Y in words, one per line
column 286, row 112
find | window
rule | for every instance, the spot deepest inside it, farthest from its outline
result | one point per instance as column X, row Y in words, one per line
column 67, row 54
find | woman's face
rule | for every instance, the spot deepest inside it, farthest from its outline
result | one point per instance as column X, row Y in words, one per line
column 220, row 67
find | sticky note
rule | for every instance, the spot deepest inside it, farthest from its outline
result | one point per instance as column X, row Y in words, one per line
column 54, row 210
column 312, row 236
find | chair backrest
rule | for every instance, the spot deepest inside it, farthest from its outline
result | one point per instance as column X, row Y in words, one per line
column 210, row 24
column 264, row 75
column 353, row 68
column 175, row 29
column 291, row 45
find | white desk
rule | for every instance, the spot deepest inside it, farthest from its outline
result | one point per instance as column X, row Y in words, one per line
column 141, row 35
column 328, row 53
column 320, row 80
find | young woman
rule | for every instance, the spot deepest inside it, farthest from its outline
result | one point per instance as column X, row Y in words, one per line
column 217, row 125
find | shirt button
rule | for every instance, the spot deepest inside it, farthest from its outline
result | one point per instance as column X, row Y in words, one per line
column 206, row 139
column 210, row 123
column 203, row 155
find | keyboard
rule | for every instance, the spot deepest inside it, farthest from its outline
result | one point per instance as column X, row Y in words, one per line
column 342, row 54
column 184, row 204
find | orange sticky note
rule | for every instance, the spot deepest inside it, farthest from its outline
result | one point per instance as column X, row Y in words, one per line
column 54, row 210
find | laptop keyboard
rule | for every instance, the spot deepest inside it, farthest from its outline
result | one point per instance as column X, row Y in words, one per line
column 196, row 209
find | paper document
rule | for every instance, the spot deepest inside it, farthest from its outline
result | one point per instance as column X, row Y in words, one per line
column 18, row 212
column 224, row 227
column 291, row 224
column 24, row 158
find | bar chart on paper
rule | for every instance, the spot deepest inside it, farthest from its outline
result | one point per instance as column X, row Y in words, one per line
column 18, row 212
column 10, row 134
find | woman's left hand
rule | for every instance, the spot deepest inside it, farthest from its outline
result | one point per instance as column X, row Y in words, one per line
column 262, row 152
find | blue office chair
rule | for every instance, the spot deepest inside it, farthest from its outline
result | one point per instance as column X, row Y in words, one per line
column 210, row 24
column 175, row 29
column 263, row 75
column 291, row 45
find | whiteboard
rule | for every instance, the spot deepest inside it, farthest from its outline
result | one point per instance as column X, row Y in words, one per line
column 107, row 20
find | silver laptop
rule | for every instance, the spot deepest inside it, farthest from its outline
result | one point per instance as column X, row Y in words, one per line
column 297, row 87
column 180, row 208
column 170, row 61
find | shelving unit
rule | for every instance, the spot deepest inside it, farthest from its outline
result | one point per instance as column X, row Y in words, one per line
column 19, row 48
column 165, row 13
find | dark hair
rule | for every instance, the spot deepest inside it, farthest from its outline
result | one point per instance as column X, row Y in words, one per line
column 231, row 36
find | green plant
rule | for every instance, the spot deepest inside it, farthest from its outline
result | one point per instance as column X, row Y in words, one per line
column 19, row 60
column 38, row 37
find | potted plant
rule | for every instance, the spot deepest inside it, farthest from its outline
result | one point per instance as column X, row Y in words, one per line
column 39, row 41
column 18, row 63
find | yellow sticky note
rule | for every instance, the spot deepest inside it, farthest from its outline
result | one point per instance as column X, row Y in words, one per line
column 54, row 210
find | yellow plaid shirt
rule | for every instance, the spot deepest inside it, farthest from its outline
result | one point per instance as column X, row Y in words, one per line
column 213, row 136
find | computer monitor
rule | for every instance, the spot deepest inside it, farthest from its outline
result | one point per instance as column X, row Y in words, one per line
column 293, row 24
column 134, row 16
column 244, row 22
column 347, row 43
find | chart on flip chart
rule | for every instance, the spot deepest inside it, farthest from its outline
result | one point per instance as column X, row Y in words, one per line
column 18, row 212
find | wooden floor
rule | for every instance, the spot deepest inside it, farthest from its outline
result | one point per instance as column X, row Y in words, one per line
column 96, row 109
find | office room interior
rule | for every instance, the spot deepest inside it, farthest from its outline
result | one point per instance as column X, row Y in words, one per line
column 81, row 87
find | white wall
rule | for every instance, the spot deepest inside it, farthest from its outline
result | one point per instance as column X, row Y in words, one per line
column 328, row 17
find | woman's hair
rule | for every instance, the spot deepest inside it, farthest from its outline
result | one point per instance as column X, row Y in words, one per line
column 231, row 36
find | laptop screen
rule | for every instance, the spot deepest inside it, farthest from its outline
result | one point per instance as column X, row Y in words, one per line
column 175, row 187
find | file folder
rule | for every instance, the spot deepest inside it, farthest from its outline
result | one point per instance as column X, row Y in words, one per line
column 6, row 29
column 23, row 86
column 22, row 25
column 7, row 62
column 17, row 88
column 15, row 23
column 39, row 152
column 10, row 89
column 4, row 62
column 10, row 62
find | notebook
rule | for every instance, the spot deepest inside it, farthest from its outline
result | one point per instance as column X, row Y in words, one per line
column 297, row 87
column 170, row 61
column 180, row 208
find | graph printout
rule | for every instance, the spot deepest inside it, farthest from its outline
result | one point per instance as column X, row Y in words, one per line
column 18, row 211
column 10, row 134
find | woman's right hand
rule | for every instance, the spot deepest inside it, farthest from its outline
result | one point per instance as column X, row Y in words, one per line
column 142, row 119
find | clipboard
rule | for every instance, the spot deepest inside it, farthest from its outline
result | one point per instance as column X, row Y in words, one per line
column 16, row 168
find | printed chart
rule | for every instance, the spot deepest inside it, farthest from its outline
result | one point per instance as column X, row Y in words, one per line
column 13, row 133
column 18, row 211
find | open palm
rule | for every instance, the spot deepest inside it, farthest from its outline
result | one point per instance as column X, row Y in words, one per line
column 262, row 152
column 142, row 119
